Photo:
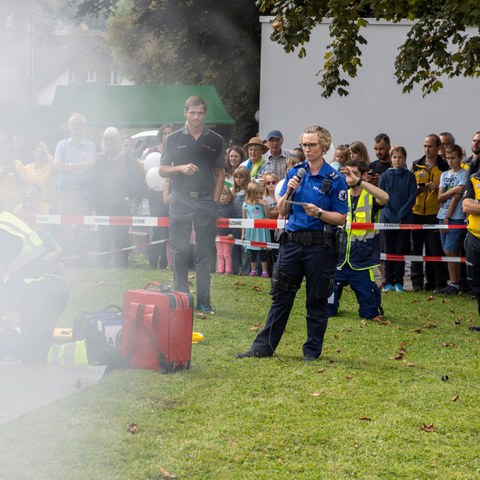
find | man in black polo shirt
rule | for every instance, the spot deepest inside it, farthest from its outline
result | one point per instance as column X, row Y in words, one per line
column 194, row 158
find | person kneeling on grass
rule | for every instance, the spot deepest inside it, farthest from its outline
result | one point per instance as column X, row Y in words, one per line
column 355, row 268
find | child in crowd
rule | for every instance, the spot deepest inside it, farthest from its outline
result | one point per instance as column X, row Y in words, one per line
column 401, row 186
column 270, row 181
column 241, row 178
column 240, row 256
column 450, row 192
column 341, row 157
column 255, row 207
column 226, row 209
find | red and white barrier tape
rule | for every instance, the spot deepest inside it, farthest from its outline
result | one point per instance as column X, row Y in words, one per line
column 105, row 220
column 383, row 256
column 420, row 258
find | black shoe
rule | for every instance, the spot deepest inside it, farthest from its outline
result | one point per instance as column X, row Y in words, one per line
column 417, row 288
column 309, row 358
column 250, row 354
column 448, row 290
column 428, row 287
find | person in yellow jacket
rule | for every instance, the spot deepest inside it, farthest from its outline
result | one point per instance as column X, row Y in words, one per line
column 471, row 207
column 355, row 268
column 31, row 286
column 427, row 171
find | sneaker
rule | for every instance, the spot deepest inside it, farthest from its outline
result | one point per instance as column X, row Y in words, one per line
column 448, row 290
column 265, row 275
column 399, row 287
column 388, row 288
column 206, row 309
column 252, row 274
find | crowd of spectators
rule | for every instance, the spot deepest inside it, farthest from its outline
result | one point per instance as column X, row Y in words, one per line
column 80, row 178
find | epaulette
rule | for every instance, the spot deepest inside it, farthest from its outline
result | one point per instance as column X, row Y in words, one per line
column 333, row 175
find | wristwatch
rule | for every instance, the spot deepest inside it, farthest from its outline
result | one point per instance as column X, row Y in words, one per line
column 319, row 213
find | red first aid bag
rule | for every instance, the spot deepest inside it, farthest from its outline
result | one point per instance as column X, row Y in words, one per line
column 157, row 329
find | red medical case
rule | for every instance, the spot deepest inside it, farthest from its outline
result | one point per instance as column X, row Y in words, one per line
column 157, row 329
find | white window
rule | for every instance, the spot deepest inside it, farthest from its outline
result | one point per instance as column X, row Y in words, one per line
column 114, row 77
column 91, row 76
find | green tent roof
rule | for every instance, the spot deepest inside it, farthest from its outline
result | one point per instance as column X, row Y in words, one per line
column 136, row 106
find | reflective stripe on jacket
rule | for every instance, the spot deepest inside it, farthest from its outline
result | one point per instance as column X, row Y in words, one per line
column 68, row 354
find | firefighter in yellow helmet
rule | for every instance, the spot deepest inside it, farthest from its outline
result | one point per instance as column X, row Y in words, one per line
column 31, row 286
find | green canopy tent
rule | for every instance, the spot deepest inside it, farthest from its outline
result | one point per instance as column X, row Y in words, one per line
column 135, row 106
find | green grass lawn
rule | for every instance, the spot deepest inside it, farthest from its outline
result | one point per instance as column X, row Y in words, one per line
column 356, row 413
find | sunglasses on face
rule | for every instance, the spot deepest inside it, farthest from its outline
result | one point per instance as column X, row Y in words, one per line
column 272, row 182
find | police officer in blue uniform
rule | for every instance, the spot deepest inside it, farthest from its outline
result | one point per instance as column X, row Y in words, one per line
column 309, row 247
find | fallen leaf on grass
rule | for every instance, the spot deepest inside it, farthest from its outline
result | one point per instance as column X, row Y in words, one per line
column 132, row 427
column 346, row 329
column 400, row 356
column 409, row 364
column 201, row 315
column 427, row 428
column 430, row 325
column 337, row 335
column 447, row 345
column 458, row 321
column 417, row 330
column 317, row 393
column 255, row 328
column 238, row 283
column 166, row 474
column 363, row 324
column 365, row 419
column 455, row 398
column 348, row 377
column 338, row 350
column 321, row 370
column 403, row 344
column 330, row 362
column 256, row 288
column 381, row 321
column 430, row 298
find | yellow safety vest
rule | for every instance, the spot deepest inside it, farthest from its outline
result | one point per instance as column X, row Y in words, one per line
column 32, row 244
column 68, row 354
column 473, row 221
column 362, row 253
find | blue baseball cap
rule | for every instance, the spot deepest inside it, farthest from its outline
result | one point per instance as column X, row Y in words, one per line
column 274, row 134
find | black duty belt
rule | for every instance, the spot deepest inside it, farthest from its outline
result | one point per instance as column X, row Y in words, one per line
column 309, row 237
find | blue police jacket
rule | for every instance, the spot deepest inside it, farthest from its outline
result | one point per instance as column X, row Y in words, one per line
column 333, row 199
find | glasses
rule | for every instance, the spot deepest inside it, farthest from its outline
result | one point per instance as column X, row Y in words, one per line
column 268, row 182
column 308, row 145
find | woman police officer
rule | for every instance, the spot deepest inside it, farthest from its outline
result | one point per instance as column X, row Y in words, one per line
column 307, row 248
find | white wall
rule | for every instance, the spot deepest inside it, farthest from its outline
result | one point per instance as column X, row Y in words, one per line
column 290, row 98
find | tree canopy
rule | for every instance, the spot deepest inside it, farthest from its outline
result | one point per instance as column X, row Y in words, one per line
column 196, row 42
column 437, row 45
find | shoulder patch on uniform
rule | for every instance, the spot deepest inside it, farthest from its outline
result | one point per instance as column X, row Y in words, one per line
column 342, row 195
column 333, row 175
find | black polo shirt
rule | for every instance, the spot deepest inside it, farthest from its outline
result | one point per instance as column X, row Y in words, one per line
column 206, row 153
